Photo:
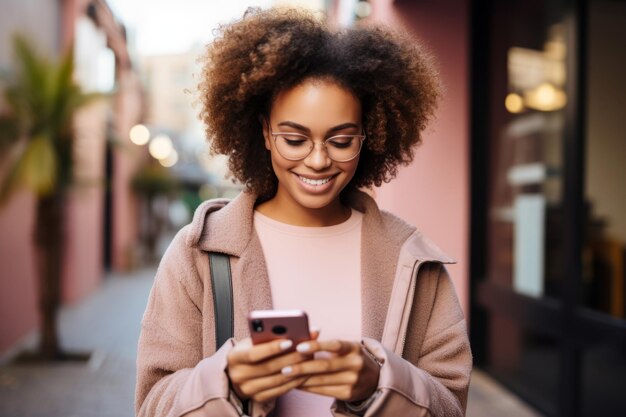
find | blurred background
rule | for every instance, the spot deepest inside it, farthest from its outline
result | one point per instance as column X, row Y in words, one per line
column 521, row 179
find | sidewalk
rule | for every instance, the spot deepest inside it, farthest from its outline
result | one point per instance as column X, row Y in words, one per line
column 108, row 324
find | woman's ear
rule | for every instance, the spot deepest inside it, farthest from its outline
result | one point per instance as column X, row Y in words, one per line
column 266, row 132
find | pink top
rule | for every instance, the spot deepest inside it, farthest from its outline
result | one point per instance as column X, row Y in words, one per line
column 318, row 270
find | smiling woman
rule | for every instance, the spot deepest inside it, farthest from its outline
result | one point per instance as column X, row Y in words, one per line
column 309, row 178
column 308, row 116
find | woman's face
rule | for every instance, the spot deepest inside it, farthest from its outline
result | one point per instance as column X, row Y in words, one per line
column 318, row 110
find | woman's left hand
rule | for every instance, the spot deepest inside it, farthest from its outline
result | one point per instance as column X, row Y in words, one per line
column 348, row 374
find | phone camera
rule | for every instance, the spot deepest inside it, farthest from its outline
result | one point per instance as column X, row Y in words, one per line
column 257, row 325
column 280, row 330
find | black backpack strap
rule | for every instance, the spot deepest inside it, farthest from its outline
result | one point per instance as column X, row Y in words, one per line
column 221, row 283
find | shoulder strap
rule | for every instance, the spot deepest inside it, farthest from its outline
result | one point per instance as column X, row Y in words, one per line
column 221, row 283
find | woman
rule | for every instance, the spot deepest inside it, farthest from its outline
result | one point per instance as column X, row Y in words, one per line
column 308, row 116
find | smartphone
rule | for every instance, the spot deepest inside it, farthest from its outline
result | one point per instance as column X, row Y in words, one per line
column 268, row 325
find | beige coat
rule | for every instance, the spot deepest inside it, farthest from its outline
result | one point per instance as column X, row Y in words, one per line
column 412, row 321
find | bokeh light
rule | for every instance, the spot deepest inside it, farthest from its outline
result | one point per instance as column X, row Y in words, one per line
column 160, row 147
column 170, row 160
column 545, row 97
column 514, row 103
column 139, row 135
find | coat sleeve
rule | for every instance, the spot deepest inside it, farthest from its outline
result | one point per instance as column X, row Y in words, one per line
column 173, row 378
column 436, row 383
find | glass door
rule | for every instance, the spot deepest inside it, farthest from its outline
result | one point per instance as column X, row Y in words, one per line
column 527, row 104
column 549, row 201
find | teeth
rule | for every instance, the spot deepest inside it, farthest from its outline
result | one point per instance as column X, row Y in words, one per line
column 314, row 182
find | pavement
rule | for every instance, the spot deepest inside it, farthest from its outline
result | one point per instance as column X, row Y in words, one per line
column 107, row 324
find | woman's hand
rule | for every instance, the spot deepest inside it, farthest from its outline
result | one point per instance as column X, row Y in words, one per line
column 255, row 371
column 349, row 374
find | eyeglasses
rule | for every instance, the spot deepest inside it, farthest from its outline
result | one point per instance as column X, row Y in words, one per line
column 296, row 146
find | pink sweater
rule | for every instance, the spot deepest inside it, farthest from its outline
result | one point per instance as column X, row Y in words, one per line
column 315, row 269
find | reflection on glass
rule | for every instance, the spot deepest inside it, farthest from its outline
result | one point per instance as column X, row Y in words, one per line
column 514, row 103
column 604, row 252
column 526, row 362
column 527, row 146
column 538, row 76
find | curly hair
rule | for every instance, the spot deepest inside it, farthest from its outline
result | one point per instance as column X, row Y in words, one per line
column 268, row 51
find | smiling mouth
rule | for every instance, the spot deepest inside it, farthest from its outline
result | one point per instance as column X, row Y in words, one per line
column 315, row 182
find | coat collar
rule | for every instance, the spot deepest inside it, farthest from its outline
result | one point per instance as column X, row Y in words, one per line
column 231, row 228
column 228, row 229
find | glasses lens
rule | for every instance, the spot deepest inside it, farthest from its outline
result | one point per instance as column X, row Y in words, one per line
column 294, row 146
column 343, row 147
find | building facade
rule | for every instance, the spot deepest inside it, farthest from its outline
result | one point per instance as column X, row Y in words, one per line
column 101, row 219
column 548, row 204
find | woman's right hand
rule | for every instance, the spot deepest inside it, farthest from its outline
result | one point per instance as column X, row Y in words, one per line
column 255, row 370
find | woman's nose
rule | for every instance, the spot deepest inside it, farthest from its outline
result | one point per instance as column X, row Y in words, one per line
column 318, row 158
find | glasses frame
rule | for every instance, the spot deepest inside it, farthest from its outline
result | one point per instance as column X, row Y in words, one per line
column 276, row 134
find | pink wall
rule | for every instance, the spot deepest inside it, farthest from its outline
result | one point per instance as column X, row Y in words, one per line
column 18, row 311
column 433, row 192
column 125, row 212
column 84, row 252
column 83, row 268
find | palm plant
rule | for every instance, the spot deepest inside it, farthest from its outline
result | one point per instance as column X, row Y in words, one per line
column 37, row 142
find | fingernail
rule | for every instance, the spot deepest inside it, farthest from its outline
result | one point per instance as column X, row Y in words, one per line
column 315, row 329
column 286, row 370
column 303, row 347
column 286, row 344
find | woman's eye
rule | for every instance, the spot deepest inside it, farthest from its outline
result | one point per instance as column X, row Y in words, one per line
column 341, row 143
column 294, row 140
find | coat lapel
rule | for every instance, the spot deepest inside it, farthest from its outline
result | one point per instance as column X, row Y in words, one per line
column 382, row 236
